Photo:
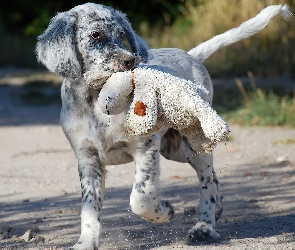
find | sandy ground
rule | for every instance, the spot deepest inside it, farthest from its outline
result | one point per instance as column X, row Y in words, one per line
column 40, row 190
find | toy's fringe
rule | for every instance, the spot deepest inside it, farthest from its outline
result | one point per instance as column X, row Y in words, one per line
column 245, row 30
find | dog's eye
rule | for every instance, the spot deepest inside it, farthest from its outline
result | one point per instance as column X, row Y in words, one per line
column 96, row 35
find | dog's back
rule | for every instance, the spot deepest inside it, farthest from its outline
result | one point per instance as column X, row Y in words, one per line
column 179, row 63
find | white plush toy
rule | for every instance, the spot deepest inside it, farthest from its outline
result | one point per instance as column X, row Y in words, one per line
column 162, row 100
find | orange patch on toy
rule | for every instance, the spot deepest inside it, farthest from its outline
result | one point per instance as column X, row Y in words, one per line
column 140, row 108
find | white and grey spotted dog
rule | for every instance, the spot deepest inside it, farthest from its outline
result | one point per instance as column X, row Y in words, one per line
column 98, row 39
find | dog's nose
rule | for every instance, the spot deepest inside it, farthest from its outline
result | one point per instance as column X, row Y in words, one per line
column 129, row 64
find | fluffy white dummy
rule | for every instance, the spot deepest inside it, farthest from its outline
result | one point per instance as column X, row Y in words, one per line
column 162, row 100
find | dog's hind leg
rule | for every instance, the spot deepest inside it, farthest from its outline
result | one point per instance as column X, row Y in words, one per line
column 210, row 201
column 175, row 147
column 143, row 199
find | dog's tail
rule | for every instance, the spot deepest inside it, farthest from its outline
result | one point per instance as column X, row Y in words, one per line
column 246, row 29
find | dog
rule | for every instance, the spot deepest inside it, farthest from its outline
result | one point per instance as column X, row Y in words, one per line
column 98, row 39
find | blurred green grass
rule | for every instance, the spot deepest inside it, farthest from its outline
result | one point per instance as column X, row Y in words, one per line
column 268, row 53
column 246, row 104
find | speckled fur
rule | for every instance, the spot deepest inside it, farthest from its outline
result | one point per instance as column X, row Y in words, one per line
column 68, row 49
column 92, row 38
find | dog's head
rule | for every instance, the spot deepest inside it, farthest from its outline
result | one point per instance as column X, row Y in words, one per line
column 90, row 38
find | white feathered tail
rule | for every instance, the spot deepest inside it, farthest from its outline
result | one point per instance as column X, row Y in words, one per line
column 246, row 29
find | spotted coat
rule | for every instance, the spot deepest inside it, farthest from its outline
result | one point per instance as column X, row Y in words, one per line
column 95, row 40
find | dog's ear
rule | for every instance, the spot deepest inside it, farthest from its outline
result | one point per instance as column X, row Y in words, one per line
column 56, row 47
column 142, row 48
column 137, row 44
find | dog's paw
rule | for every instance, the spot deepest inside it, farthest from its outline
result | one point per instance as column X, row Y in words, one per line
column 202, row 231
column 79, row 246
column 164, row 212
column 161, row 212
column 85, row 245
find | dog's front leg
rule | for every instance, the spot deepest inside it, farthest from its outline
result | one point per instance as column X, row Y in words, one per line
column 143, row 199
column 92, row 177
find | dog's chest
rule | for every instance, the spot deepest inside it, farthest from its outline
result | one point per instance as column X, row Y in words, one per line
column 110, row 137
column 82, row 119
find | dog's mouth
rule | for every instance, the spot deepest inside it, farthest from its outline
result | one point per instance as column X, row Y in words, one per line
column 97, row 78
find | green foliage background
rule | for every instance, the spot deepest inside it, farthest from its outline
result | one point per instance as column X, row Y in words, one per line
column 22, row 21
column 182, row 24
column 165, row 23
column 31, row 17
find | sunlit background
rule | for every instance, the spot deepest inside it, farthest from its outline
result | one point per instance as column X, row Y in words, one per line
column 183, row 24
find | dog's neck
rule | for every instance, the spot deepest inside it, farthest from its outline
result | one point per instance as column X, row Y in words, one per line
column 81, row 94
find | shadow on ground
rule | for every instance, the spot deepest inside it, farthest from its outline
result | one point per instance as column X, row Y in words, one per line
column 250, row 211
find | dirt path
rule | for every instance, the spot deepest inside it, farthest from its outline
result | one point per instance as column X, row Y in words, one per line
column 40, row 190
